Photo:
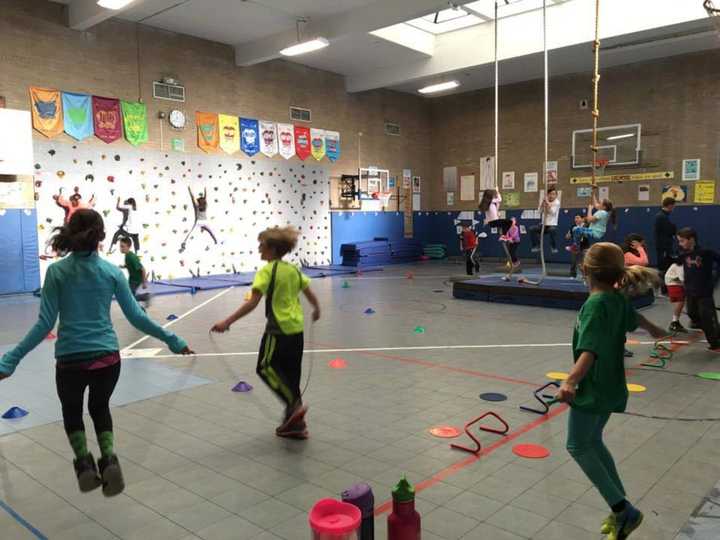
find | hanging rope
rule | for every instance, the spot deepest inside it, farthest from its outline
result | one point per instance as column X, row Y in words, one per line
column 596, row 86
column 543, row 208
column 497, row 98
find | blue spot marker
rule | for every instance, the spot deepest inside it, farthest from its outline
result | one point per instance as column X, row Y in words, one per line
column 171, row 317
column 242, row 386
column 15, row 412
column 369, row 311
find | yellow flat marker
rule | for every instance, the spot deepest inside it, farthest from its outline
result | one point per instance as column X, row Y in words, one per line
column 632, row 342
column 557, row 375
column 636, row 388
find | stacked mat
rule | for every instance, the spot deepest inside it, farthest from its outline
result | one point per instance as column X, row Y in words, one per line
column 380, row 251
column 435, row 251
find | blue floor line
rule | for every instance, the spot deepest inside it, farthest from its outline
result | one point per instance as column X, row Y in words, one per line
column 21, row 520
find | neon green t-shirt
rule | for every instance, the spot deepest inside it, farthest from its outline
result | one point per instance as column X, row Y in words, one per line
column 286, row 308
column 601, row 326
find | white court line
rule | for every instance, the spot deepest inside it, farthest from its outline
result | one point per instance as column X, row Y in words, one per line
column 417, row 348
column 180, row 318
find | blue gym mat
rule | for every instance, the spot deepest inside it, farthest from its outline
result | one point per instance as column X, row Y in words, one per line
column 197, row 283
column 158, row 289
column 241, row 278
column 336, row 270
column 553, row 292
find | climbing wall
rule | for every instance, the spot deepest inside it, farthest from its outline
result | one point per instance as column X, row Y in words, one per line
column 244, row 197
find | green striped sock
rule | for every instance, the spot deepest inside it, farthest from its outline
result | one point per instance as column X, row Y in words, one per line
column 105, row 442
column 78, row 441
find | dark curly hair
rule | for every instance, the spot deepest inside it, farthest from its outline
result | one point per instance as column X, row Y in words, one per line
column 83, row 232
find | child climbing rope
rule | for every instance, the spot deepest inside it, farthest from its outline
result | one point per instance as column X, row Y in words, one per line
column 281, row 349
column 490, row 204
column 80, row 289
column 550, row 212
column 597, row 222
column 596, row 386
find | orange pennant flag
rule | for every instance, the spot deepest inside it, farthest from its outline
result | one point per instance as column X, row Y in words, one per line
column 208, row 131
column 47, row 113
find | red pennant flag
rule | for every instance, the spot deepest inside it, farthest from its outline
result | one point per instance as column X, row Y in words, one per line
column 302, row 142
column 107, row 120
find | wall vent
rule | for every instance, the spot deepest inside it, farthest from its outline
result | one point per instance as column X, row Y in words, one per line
column 170, row 92
column 300, row 115
column 392, row 129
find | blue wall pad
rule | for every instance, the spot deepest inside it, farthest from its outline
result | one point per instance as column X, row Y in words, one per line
column 351, row 227
column 553, row 292
column 19, row 264
column 439, row 227
column 32, row 386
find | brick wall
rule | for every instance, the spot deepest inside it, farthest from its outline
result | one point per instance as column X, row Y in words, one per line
column 677, row 101
column 122, row 59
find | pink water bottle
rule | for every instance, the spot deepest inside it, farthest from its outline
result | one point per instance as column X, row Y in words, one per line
column 404, row 521
column 335, row 520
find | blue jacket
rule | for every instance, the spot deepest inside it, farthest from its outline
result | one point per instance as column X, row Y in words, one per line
column 80, row 289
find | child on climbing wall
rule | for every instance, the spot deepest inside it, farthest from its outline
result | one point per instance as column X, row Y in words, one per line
column 596, row 385
column 80, row 289
column 281, row 349
column 137, row 276
column 700, row 280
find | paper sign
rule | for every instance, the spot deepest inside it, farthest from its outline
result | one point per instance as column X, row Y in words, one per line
column 407, row 178
column 584, row 192
column 508, row 180
column 450, row 175
column 416, row 184
column 512, row 199
column 644, row 192
column 551, row 169
column 604, row 192
column 450, row 198
column 416, row 202
column 530, row 181
column 705, row 192
column 690, row 170
column 467, row 187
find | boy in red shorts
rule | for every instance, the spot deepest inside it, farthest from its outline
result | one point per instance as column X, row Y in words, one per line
column 674, row 281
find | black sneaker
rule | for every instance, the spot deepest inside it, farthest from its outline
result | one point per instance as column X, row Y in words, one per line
column 112, row 476
column 87, row 473
column 628, row 353
column 675, row 326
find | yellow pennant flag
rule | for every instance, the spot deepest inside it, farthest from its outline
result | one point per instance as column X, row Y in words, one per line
column 47, row 112
column 229, row 133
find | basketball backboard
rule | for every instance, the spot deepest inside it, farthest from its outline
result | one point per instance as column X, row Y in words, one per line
column 620, row 145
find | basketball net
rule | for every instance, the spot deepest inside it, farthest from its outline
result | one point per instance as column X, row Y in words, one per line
column 599, row 166
column 384, row 196
column 713, row 11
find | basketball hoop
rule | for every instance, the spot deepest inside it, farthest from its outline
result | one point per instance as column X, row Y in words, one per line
column 385, row 196
column 599, row 166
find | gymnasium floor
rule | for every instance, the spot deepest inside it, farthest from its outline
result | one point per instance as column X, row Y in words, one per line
column 203, row 462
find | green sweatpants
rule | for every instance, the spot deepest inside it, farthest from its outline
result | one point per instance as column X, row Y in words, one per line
column 585, row 445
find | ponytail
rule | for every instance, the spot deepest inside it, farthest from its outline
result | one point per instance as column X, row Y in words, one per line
column 604, row 263
column 610, row 208
column 83, row 233
column 638, row 280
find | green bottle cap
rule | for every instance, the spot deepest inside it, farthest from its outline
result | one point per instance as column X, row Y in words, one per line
column 403, row 491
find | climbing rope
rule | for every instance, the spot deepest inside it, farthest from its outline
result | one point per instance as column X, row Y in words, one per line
column 497, row 99
column 545, row 162
column 596, row 87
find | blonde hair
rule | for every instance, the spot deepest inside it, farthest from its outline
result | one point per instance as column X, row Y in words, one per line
column 604, row 263
column 282, row 240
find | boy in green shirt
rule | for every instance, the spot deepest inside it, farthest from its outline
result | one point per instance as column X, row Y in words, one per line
column 281, row 348
column 596, row 386
column 136, row 271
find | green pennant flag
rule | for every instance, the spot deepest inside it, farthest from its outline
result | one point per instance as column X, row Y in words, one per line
column 135, row 122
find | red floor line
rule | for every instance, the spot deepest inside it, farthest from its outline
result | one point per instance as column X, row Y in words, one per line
column 462, row 464
column 427, row 364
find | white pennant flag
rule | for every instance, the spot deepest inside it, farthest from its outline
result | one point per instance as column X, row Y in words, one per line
column 286, row 140
column 268, row 138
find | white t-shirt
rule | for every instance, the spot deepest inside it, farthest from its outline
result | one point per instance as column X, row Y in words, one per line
column 675, row 275
column 552, row 213
column 492, row 211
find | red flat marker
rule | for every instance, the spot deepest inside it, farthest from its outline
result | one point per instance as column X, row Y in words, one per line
column 338, row 363
column 531, row 451
column 445, row 432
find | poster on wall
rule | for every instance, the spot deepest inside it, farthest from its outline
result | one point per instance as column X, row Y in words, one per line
column 451, row 198
column 530, row 181
column 644, row 192
column 679, row 193
column 17, row 194
column 286, row 139
column 584, row 192
column 551, row 171
column 690, row 170
column 416, row 184
column 467, row 187
column 416, row 202
column 705, row 192
column 604, row 192
column 229, row 128
column 392, row 182
column 407, row 178
column 450, row 175
column 487, row 173
column 508, row 180
column 512, row 199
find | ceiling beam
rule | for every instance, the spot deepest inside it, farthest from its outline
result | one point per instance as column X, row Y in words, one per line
column 380, row 14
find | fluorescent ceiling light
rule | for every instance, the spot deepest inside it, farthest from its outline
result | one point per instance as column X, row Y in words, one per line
column 433, row 88
column 624, row 136
column 305, row 47
column 113, row 4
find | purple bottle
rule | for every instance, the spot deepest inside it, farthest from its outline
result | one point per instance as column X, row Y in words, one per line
column 361, row 495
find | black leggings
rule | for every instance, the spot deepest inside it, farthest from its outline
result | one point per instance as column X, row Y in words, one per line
column 71, row 384
column 123, row 233
column 701, row 310
column 280, row 366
